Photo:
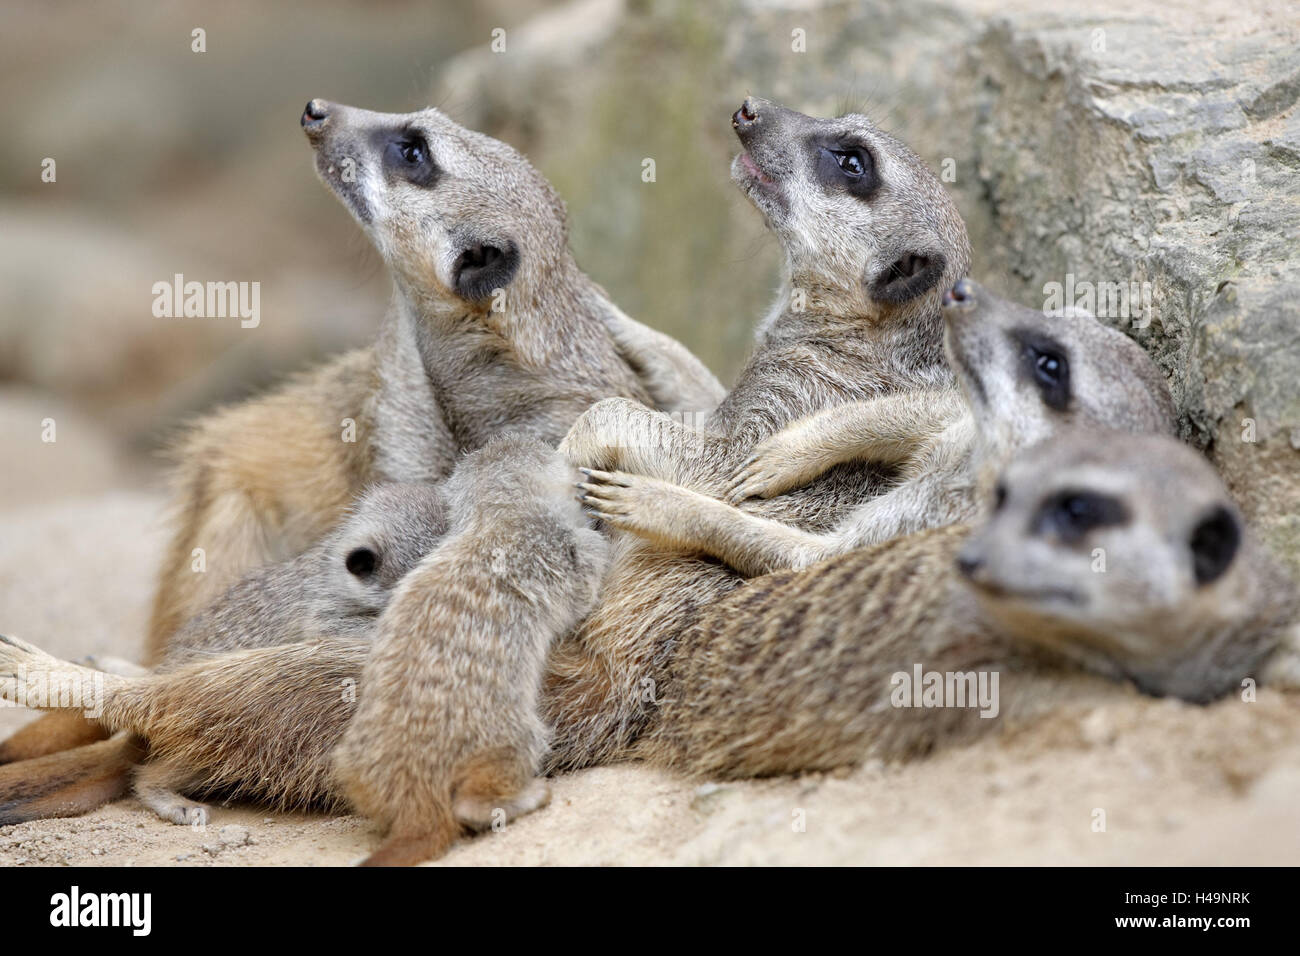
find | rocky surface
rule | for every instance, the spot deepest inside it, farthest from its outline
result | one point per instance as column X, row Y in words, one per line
column 1123, row 143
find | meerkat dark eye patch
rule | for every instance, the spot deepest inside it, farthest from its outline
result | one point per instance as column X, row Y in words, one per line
column 361, row 562
column 406, row 156
column 1070, row 515
column 1214, row 543
column 846, row 166
column 907, row 277
column 1045, row 363
column 483, row 267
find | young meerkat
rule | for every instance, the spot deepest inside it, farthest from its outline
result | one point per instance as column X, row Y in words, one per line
column 1022, row 375
column 447, row 731
column 493, row 328
column 799, row 670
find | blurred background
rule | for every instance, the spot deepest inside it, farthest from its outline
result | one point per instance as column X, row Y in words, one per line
column 1111, row 141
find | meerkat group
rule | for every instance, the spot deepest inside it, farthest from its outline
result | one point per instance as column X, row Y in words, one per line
column 908, row 470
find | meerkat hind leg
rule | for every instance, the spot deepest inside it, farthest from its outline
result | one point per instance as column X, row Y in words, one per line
column 157, row 786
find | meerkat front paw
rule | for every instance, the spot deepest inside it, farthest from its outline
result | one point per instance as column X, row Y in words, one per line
column 779, row 464
column 595, row 438
column 643, row 506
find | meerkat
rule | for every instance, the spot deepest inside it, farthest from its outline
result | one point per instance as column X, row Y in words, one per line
column 871, row 241
column 519, row 568
column 796, row 670
column 799, row 670
column 1022, row 375
column 493, row 328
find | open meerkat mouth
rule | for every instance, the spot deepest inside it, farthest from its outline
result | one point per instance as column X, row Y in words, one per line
column 751, row 167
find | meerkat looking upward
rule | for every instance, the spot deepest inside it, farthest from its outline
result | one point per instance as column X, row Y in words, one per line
column 493, row 328
column 447, row 727
column 1022, row 376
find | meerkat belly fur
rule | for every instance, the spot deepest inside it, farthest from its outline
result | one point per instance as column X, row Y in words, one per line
column 1022, row 376
column 447, row 730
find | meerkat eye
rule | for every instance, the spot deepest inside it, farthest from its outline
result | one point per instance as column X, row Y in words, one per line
column 846, row 166
column 1047, row 366
column 851, row 162
column 361, row 562
column 999, row 497
column 406, row 156
column 1214, row 543
column 412, row 152
column 1070, row 515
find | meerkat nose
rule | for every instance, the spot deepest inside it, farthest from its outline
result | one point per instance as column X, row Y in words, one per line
column 962, row 292
column 745, row 116
column 314, row 115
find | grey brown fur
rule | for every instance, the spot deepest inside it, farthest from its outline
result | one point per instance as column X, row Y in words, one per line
column 941, row 441
column 447, row 731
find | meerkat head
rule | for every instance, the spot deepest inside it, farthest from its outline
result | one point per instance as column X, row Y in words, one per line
column 1126, row 553
column 390, row 527
column 866, row 227
column 456, row 215
column 1025, row 374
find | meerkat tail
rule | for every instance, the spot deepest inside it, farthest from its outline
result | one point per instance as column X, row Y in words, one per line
column 413, row 841
column 68, row 783
column 32, row 678
column 51, row 732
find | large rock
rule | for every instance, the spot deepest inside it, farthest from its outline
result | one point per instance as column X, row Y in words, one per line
column 1125, row 144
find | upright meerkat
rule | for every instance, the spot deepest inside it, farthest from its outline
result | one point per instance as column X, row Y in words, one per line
column 493, row 328
column 1022, row 376
column 871, row 241
column 800, row 670
column 461, row 686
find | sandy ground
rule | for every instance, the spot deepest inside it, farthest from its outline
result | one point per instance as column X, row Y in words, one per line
column 1177, row 784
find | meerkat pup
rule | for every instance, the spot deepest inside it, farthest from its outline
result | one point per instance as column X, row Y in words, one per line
column 1022, row 375
column 447, row 731
column 336, row 590
column 1107, row 558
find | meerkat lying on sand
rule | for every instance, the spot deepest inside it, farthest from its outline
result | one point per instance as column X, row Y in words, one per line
column 1022, row 376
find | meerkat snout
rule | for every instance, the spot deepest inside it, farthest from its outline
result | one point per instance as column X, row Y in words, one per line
column 314, row 116
column 440, row 202
column 856, row 210
column 1126, row 552
column 1025, row 374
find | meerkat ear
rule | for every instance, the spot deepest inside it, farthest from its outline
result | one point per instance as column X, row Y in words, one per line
column 1214, row 543
column 483, row 267
column 910, row 275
